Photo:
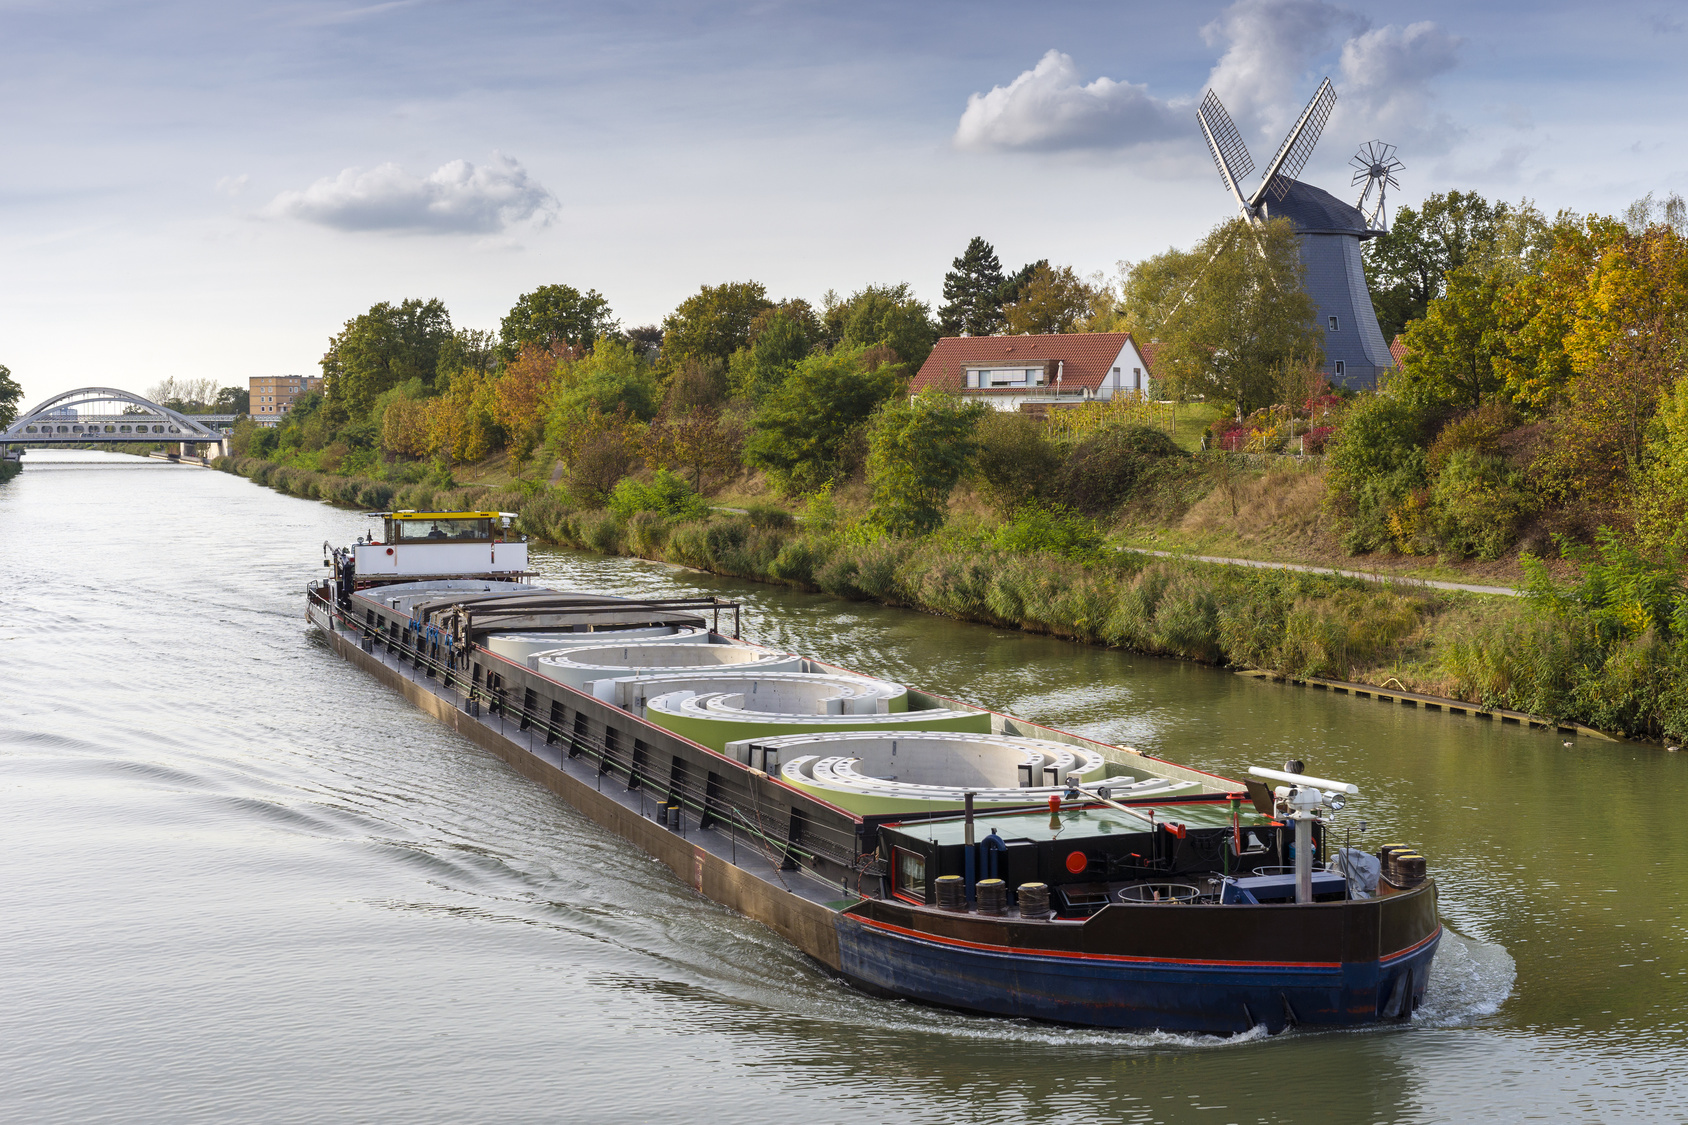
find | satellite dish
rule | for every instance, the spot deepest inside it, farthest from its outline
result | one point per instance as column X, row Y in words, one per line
column 1375, row 166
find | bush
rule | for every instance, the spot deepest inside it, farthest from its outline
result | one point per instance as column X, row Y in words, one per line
column 1478, row 505
column 1375, row 463
column 768, row 516
column 1015, row 461
column 1050, row 529
column 664, row 494
column 1109, row 465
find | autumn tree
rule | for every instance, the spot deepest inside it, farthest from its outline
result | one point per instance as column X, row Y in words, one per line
column 555, row 317
column 520, row 393
column 1247, row 314
column 1051, row 301
column 973, row 293
column 918, row 450
column 598, row 450
column 700, row 443
column 382, row 348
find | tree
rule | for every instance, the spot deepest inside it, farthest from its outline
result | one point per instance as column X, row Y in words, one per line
column 972, row 293
column 699, row 443
column 1051, row 300
column 614, row 378
column 233, row 400
column 189, row 396
column 714, row 321
column 1452, row 348
column 1010, row 291
column 1155, row 287
column 803, row 429
column 599, row 449
column 757, row 371
column 917, row 450
column 1407, row 265
column 10, row 394
column 520, row 391
column 467, row 349
column 554, row 317
column 1246, row 315
column 384, row 347
column 886, row 315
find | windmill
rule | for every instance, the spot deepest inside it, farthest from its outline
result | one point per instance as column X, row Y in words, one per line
column 1330, row 231
column 1375, row 166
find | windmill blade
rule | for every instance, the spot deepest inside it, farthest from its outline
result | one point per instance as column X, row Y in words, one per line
column 1230, row 153
column 1297, row 148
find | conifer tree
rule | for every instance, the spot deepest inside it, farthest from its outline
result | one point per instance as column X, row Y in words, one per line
column 972, row 293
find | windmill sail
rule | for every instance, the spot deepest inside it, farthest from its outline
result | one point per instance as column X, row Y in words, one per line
column 1297, row 149
column 1329, row 230
column 1225, row 142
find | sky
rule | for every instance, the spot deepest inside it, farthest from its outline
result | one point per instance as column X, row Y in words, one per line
column 211, row 189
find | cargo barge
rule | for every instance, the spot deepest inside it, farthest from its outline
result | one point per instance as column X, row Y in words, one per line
column 914, row 845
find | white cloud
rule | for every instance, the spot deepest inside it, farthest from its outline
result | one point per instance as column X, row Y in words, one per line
column 1049, row 107
column 457, row 198
column 1386, row 83
column 1270, row 48
column 233, row 185
column 1272, row 52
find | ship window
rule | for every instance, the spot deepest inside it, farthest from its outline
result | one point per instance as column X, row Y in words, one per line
column 1333, row 327
column 412, row 530
column 908, row 875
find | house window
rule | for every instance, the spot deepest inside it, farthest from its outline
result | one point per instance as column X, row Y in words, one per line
column 1010, row 378
column 972, row 378
column 1339, row 369
column 1333, row 327
column 908, row 875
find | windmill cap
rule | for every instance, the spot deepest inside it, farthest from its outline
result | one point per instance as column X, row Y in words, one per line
column 1315, row 211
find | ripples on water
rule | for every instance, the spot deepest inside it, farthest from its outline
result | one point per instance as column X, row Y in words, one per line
column 245, row 882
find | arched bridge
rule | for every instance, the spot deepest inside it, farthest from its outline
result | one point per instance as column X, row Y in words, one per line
column 104, row 414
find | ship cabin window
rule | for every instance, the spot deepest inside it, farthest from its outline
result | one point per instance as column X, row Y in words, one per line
column 413, row 529
column 908, row 875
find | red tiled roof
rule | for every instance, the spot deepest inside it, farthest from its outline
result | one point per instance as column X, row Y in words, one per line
column 1398, row 350
column 1086, row 357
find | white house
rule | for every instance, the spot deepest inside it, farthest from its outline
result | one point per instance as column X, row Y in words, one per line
column 1038, row 373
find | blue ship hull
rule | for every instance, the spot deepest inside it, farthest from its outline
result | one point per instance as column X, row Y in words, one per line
column 1123, row 991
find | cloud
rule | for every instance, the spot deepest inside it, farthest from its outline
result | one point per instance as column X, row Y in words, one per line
column 1049, row 108
column 1386, row 80
column 1271, row 52
column 457, row 198
column 233, row 185
column 1270, row 45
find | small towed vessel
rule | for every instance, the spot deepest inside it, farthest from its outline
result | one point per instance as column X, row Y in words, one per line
column 917, row 846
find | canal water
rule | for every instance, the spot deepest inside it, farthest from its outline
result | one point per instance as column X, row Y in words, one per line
column 241, row 881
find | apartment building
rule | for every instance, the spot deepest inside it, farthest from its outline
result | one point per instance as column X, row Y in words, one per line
column 273, row 396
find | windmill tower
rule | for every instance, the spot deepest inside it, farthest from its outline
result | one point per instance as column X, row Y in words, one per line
column 1330, row 230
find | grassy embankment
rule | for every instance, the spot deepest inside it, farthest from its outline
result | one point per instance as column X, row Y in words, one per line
column 1284, row 622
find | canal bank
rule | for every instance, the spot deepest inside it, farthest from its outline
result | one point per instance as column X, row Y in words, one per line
column 338, row 907
column 1463, row 651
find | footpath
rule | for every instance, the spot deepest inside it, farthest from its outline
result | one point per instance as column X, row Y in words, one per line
column 1366, row 575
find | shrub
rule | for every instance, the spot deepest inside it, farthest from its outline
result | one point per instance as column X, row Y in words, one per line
column 664, row 494
column 1050, row 529
column 1478, row 505
column 919, row 449
column 1107, row 466
column 762, row 514
column 1015, row 461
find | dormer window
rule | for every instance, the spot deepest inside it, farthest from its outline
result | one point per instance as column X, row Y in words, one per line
column 1333, row 327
